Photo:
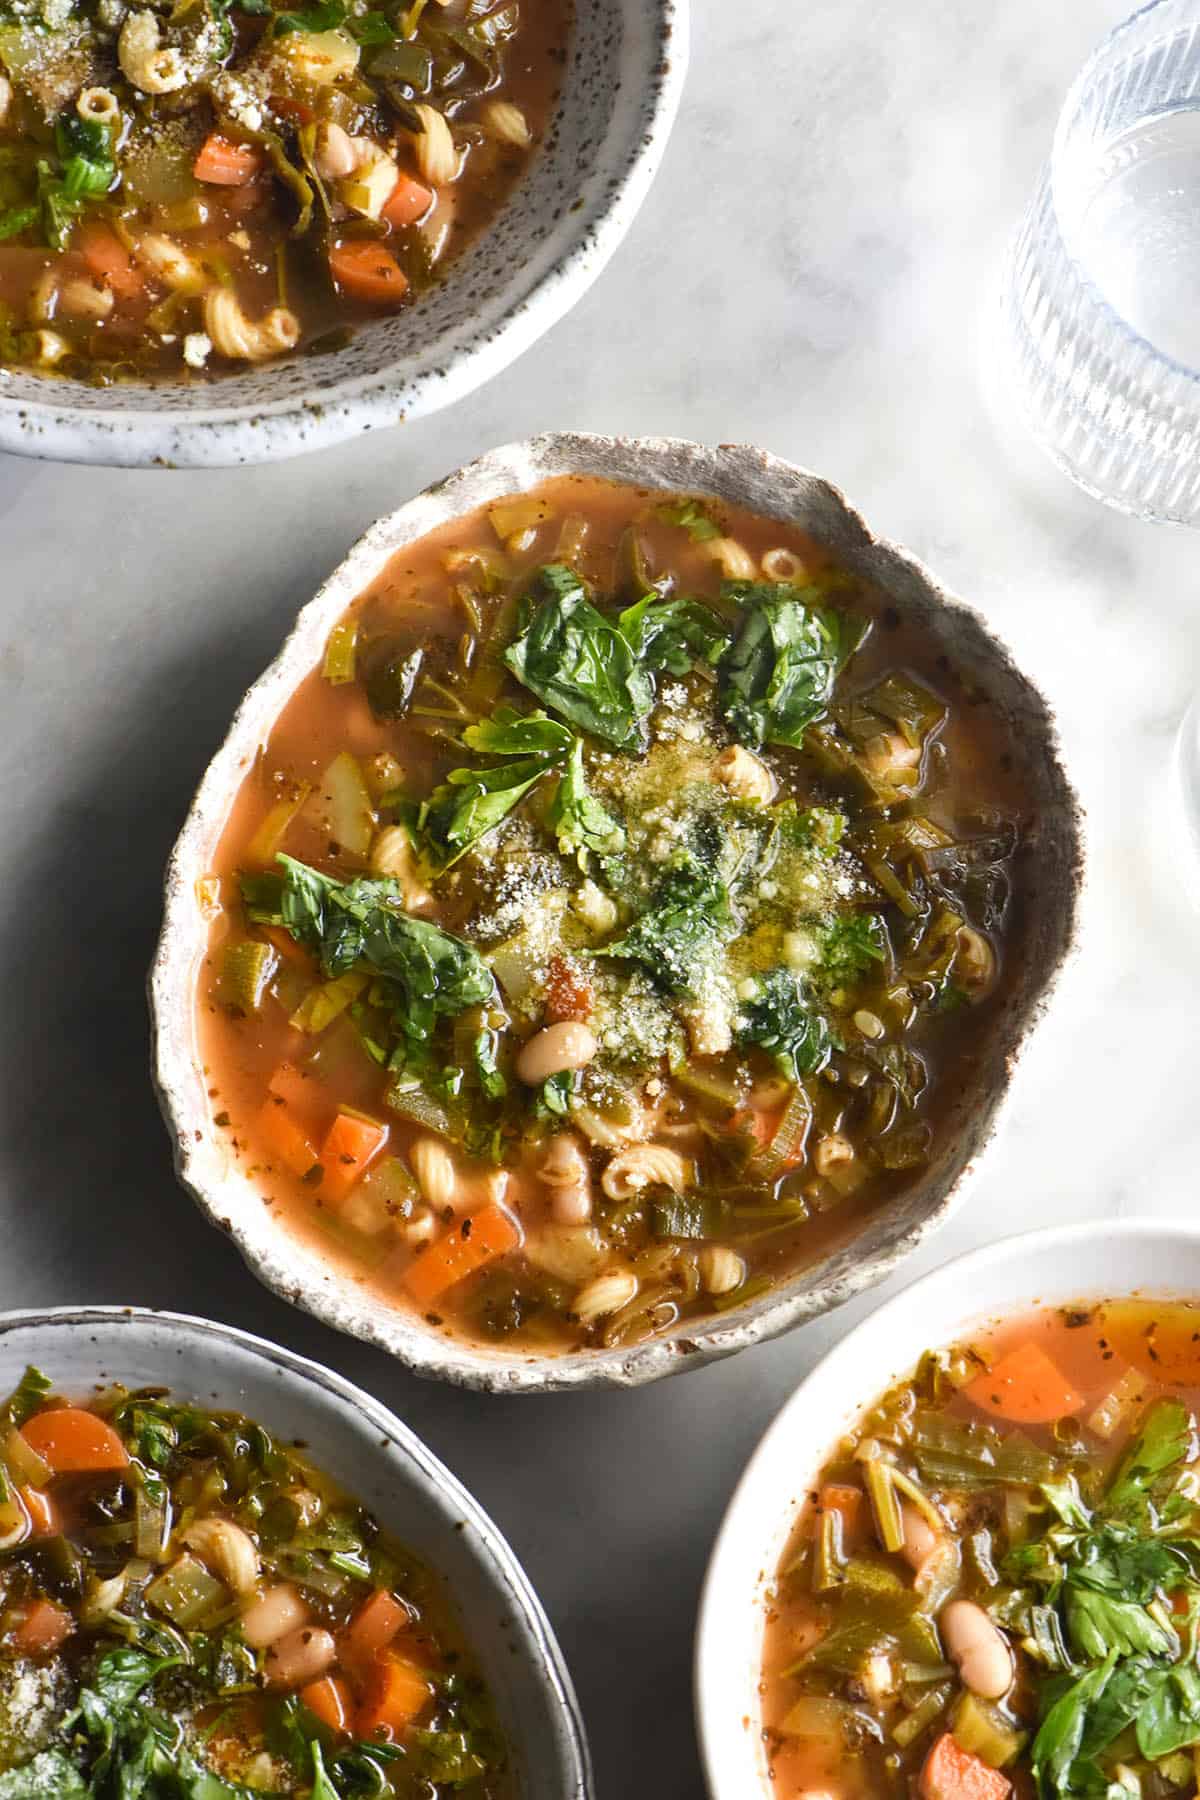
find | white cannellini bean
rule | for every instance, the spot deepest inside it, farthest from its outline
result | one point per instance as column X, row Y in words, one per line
column 977, row 1648
column 567, row 1045
column 82, row 299
column 274, row 1614
column 336, row 152
column 228, row 1551
column 300, row 1657
column 920, row 1539
column 607, row 1294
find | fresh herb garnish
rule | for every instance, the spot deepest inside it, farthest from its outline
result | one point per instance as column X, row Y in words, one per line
column 688, row 919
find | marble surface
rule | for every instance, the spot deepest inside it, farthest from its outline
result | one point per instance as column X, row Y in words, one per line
column 811, row 273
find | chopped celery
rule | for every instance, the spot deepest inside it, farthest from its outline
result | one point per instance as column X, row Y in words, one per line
column 322, row 1005
column 394, row 1185
column 983, row 1730
column 342, row 804
column 1116, row 1408
column 412, row 1102
column 707, row 1084
column 274, row 827
column 338, row 667
column 829, row 1560
column 687, row 1216
column 817, row 1716
column 885, row 1508
column 247, row 968
column 187, row 1594
column 786, row 1148
column 907, row 1730
column 150, row 1516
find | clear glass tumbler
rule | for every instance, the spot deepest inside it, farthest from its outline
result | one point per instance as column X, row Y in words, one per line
column 1101, row 300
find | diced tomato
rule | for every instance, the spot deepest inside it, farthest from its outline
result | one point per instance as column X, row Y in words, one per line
column 569, row 991
column 952, row 1773
column 39, row 1628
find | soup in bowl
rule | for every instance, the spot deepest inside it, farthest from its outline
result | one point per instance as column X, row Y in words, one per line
column 615, row 922
column 226, row 1572
column 984, row 1583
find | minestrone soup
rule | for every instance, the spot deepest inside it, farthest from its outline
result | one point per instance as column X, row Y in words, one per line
column 183, row 192
column 189, row 1608
column 614, row 919
column 995, row 1584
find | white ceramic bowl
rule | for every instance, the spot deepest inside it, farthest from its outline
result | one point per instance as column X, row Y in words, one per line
column 1050, row 876
column 379, row 1460
column 585, row 183
column 1096, row 1261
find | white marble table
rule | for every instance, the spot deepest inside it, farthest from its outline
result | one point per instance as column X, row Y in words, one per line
column 810, row 273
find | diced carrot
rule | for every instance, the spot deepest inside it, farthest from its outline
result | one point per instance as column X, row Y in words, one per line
column 43, row 1514
column 374, row 1625
column 40, row 1628
column 329, row 1699
column 284, row 1139
column 474, row 1241
column 366, row 271
column 351, row 1146
column 108, row 260
column 396, row 1694
column 72, row 1441
column 569, row 992
column 224, row 164
column 1026, row 1387
column 407, row 202
column 845, row 1501
column 952, row 1773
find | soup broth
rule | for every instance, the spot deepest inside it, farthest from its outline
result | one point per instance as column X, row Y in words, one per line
column 190, row 1608
column 995, row 1583
column 181, row 195
column 706, row 867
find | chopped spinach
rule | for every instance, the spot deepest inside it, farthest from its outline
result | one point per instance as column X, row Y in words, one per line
column 781, row 1020
column 778, row 676
column 578, row 662
column 673, row 634
column 689, row 917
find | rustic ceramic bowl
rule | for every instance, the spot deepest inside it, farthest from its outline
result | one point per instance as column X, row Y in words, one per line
column 1095, row 1261
column 1050, row 875
column 584, row 186
column 378, row 1459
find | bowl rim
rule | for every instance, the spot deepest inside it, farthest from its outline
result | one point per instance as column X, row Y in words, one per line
column 376, row 1420
column 691, row 1342
column 963, row 1276
column 212, row 435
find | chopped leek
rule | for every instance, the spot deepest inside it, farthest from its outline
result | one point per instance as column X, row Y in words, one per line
column 187, row 1594
column 247, row 968
column 340, row 652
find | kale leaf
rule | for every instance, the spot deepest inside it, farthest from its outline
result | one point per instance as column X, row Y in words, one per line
column 778, row 676
column 578, row 662
column 780, row 1020
column 429, row 973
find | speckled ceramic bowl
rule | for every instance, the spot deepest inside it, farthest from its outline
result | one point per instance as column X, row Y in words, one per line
column 378, row 1459
column 1051, row 875
column 583, row 189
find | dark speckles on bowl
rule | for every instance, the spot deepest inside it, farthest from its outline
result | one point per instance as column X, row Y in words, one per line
column 583, row 189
